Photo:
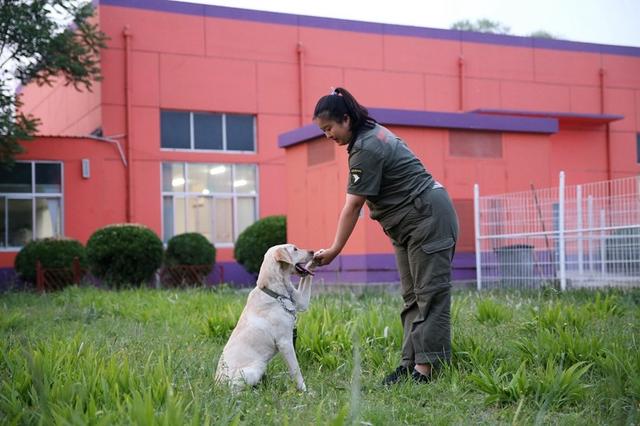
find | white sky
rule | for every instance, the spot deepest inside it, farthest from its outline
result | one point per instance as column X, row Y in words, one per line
column 596, row 21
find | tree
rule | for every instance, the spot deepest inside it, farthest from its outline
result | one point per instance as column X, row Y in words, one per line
column 481, row 25
column 542, row 34
column 39, row 41
column 493, row 27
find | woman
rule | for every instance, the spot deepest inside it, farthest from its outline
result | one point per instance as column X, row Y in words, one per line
column 415, row 212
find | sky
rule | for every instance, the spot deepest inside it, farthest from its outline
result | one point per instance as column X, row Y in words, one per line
column 614, row 22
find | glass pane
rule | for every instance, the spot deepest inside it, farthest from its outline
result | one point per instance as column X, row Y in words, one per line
column 20, row 222
column 173, row 179
column 48, row 178
column 167, row 218
column 179, row 215
column 199, row 178
column 16, row 179
column 240, row 133
column 175, row 130
column 245, row 181
column 220, row 177
column 200, row 215
column 3, row 229
column 223, row 220
column 48, row 217
column 246, row 214
column 207, row 131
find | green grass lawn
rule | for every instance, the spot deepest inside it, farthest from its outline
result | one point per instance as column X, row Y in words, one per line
column 89, row 356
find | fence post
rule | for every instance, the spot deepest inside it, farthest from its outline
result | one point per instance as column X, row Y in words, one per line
column 561, row 237
column 603, row 243
column 580, row 232
column 39, row 277
column 476, row 220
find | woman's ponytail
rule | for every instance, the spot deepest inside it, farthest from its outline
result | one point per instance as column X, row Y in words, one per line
column 340, row 103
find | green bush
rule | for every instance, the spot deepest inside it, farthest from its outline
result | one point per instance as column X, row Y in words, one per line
column 124, row 254
column 190, row 248
column 254, row 241
column 52, row 253
column 188, row 260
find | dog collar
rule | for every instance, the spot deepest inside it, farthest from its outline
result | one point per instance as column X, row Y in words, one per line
column 280, row 298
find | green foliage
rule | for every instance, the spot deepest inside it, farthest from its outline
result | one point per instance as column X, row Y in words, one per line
column 124, row 255
column 492, row 312
column 494, row 27
column 481, row 25
column 40, row 40
column 254, row 241
column 190, row 248
column 52, row 253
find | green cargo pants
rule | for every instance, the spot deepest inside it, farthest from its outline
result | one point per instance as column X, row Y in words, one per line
column 424, row 243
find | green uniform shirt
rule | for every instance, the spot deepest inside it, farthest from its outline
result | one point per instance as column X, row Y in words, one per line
column 384, row 170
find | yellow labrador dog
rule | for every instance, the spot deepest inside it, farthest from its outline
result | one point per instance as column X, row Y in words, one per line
column 266, row 324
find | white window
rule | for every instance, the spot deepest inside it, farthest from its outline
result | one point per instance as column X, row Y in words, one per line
column 187, row 130
column 30, row 203
column 216, row 200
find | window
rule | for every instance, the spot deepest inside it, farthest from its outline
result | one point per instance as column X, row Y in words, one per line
column 30, row 203
column 464, row 143
column 216, row 200
column 207, row 131
column 638, row 147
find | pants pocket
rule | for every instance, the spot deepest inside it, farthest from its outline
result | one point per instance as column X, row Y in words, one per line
column 438, row 245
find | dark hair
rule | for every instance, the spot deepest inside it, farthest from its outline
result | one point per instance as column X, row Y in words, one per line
column 340, row 102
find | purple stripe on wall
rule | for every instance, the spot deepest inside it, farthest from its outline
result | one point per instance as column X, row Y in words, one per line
column 369, row 27
column 448, row 120
column 365, row 268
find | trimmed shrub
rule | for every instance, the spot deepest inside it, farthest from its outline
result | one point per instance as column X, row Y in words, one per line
column 188, row 260
column 254, row 241
column 190, row 248
column 124, row 254
column 52, row 253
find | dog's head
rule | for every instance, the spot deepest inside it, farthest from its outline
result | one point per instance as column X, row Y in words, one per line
column 290, row 258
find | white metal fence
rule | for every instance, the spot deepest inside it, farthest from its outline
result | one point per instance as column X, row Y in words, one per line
column 568, row 236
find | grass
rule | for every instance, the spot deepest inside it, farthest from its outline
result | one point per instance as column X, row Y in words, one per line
column 89, row 356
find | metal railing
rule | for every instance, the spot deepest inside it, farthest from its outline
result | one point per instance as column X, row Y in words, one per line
column 567, row 236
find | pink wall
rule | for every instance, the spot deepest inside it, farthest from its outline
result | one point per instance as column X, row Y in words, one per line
column 88, row 204
column 212, row 58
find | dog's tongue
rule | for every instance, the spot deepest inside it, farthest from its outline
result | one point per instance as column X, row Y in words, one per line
column 302, row 270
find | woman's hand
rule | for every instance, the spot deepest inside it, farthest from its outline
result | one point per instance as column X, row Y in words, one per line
column 324, row 256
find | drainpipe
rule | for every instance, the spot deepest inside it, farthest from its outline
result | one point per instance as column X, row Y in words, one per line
column 301, row 97
column 126, row 32
column 607, row 126
column 461, row 83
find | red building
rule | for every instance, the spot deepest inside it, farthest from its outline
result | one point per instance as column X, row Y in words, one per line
column 187, row 129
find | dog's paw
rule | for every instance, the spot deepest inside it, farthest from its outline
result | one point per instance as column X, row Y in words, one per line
column 302, row 387
column 312, row 264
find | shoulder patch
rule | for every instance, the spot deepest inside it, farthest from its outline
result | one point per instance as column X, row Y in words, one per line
column 354, row 175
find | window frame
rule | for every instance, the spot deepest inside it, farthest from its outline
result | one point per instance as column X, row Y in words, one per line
column 233, row 195
column 224, row 149
column 32, row 196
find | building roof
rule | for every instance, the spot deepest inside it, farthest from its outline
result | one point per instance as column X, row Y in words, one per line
column 198, row 9
column 562, row 117
column 430, row 119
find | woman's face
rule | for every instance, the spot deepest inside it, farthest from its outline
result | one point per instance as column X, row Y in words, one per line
column 338, row 132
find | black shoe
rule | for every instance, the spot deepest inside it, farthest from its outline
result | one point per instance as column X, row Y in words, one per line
column 400, row 373
column 421, row 378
